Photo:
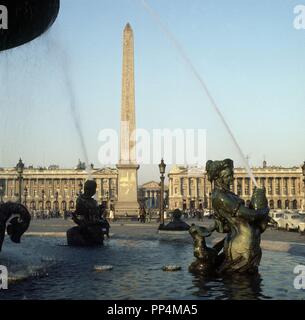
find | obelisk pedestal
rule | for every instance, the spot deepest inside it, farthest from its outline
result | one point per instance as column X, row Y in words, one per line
column 127, row 204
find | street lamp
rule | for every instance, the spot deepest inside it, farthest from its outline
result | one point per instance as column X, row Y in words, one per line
column 80, row 188
column 107, row 198
column 303, row 171
column 1, row 193
column 56, row 202
column 19, row 169
column 42, row 195
column 25, row 193
column 162, row 167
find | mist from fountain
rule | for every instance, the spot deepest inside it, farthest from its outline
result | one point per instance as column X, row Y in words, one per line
column 64, row 64
column 156, row 17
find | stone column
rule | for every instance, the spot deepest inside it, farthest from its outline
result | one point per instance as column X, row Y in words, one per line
column 6, row 187
column 273, row 186
column 188, row 187
column 235, row 185
column 289, row 187
column 251, row 187
column 243, row 187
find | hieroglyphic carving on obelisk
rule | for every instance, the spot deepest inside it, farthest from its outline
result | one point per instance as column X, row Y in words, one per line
column 127, row 180
column 128, row 121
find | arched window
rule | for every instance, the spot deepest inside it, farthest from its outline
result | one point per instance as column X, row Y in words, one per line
column 56, row 205
column 33, row 205
column 287, row 204
column 48, row 205
column 279, row 204
column 64, row 205
column 71, row 205
column 271, row 204
column 294, row 204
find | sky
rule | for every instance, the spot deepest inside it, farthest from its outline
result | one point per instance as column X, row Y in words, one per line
column 248, row 53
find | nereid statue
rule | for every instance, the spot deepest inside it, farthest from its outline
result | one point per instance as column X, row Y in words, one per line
column 15, row 219
column 91, row 225
column 239, row 251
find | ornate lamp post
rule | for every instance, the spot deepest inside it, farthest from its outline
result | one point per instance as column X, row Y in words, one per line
column 56, row 201
column 162, row 167
column 80, row 188
column 25, row 194
column 210, row 202
column 42, row 196
column 1, row 193
column 107, row 198
column 303, row 171
column 19, row 169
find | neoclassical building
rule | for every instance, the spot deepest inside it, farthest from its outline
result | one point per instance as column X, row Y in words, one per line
column 149, row 195
column 54, row 188
column 189, row 188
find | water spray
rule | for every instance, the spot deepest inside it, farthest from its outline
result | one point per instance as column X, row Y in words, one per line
column 66, row 70
column 196, row 74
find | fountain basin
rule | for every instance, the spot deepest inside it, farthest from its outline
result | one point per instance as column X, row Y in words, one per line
column 27, row 20
column 68, row 272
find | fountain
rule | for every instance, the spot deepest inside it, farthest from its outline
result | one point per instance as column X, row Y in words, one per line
column 91, row 226
column 176, row 225
column 15, row 218
column 239, row 252
column 27, row 20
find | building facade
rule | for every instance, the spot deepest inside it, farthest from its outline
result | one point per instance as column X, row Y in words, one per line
column 149, row 195
column 189, row 188
column 54, row 188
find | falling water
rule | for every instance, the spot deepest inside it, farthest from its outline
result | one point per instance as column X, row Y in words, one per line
column 194, row 71
column 68, row 83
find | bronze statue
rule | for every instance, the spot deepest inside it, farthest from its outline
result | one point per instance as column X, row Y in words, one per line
column 239, row 251
column 27, row 20
column 176, row 224
column 91, row 225
column 15, row 218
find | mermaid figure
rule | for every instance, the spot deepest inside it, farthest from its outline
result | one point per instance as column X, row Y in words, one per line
column 239, row 251
column 15, row 220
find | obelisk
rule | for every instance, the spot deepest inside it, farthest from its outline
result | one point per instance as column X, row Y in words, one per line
column 127, row 204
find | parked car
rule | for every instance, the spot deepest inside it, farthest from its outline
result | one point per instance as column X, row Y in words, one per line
column 291, row 222
column 276, row 216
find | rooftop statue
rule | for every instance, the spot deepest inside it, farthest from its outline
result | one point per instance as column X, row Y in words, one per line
column 15, row 219
column 91, row 225
column 239, row 251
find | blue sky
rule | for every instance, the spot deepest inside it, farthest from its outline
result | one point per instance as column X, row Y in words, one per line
column 247, row 51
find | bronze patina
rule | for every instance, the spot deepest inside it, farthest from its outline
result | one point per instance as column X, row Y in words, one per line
column 27, row 20
column 239, row 251
column 91, row 224
column 15, row 219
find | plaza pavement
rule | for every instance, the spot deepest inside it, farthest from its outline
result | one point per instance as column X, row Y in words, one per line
column 278, row 240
